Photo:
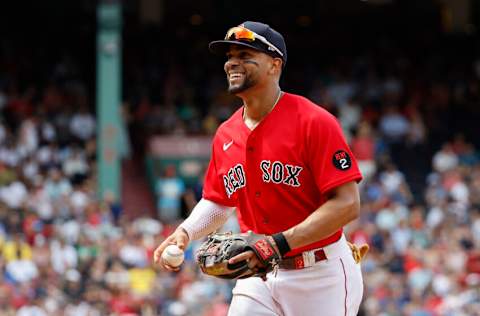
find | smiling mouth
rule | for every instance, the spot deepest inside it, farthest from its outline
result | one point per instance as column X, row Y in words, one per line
column 235, row 76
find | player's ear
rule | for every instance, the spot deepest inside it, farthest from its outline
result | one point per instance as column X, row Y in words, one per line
column 276, row 65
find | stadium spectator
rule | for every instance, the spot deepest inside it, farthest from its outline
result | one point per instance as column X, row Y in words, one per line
column 170, row 189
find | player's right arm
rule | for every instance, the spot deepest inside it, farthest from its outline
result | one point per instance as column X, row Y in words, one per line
column 210, row 213
column 205, row 218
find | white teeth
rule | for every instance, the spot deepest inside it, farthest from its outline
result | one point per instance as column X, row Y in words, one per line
column 235, row 75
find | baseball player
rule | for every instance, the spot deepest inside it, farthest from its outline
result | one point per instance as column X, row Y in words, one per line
column 284, row 164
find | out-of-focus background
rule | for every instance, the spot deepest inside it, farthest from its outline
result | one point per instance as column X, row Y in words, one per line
column 107, row 110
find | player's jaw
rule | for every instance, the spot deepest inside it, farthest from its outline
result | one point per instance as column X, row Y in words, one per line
column 239, row 81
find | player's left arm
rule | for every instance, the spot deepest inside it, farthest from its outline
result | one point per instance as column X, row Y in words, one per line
column 336, row 174
column 342, row 207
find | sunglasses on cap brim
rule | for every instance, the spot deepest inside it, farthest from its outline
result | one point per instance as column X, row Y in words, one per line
column 244, row 34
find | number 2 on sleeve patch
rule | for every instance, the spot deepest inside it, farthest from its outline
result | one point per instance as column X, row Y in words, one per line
column 341, row 160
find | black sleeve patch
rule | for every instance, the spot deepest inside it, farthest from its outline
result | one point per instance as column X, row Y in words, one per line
column 341, row 160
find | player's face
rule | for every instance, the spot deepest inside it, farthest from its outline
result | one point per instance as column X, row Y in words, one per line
column 245, row 68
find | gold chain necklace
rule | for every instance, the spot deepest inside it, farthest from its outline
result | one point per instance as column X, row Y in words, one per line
column 274, row 104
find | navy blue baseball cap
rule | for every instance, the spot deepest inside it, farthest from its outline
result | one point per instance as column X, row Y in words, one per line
column 255, row 35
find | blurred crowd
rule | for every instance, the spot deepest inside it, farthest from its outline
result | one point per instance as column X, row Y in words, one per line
column 63, row 249
column 412, row 125
column 424, row 257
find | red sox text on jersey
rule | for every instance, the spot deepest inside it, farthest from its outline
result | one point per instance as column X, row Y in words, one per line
column 275, row 172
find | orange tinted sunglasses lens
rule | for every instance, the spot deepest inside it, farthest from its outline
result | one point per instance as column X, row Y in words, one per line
column 240, row 34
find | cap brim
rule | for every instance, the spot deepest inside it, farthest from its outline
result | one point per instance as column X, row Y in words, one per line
column 221, row 47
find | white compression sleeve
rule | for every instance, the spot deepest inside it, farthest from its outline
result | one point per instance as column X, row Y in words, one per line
column 205, row 218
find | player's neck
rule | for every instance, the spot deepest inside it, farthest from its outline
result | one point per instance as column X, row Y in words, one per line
column 258, row 105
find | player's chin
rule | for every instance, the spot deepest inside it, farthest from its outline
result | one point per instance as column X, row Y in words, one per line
column 236, row 88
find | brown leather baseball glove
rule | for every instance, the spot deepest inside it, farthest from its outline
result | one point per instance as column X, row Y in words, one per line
column 214, row 253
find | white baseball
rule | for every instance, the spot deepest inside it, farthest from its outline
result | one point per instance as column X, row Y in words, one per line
column 173, row 255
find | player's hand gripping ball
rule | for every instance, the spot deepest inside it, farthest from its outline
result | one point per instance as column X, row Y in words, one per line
column 173, row 256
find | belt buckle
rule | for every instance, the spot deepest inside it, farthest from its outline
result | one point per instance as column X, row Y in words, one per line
column 308, row 258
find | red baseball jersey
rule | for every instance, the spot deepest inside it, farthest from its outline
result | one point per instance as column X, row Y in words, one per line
column 279, row 173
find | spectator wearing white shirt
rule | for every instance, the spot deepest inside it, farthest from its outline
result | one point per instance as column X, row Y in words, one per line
column 31, row 310
column 39, row 201
column 75, row 164
column 56, row 185
column 22, row 270
column 445, row 159
column 394, row 125
column 48, row 155
column 14, row 195
column 63, row 256
column 132, row 253
column 10, row 154
column 28, row 136
column 392, row 179
column 82, row 124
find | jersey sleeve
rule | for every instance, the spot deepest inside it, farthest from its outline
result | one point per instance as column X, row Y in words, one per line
column 213, row 187
column 329, row 155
